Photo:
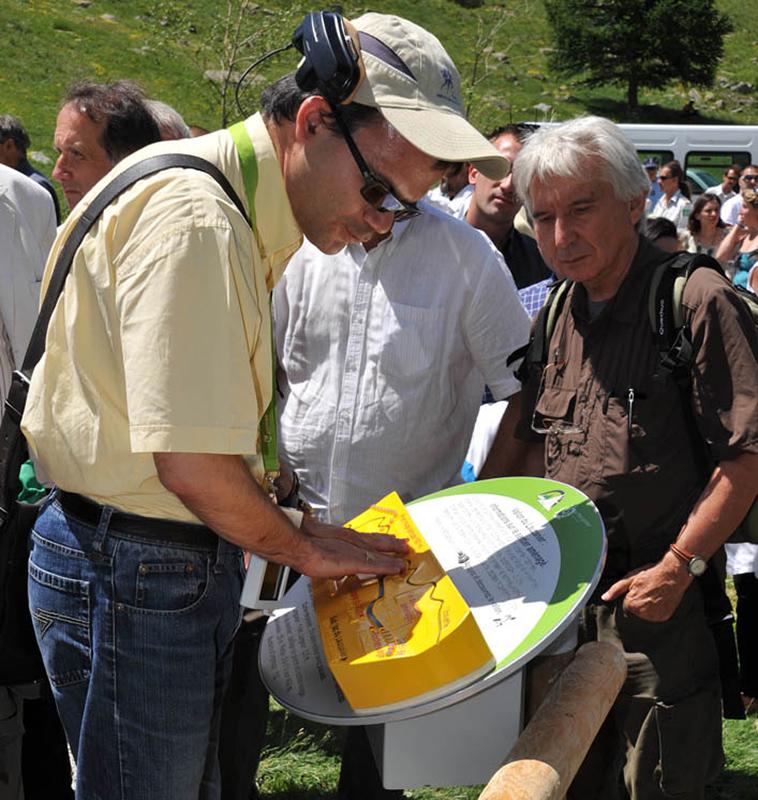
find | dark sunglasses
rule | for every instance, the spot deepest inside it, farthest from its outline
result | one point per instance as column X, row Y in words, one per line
column 749, row 177
column 664, row 177
column 374, row 191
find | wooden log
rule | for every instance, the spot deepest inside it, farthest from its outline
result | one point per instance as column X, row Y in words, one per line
column 551, row 748
column 540, row 674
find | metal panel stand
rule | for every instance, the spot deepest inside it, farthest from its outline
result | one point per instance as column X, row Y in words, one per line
column 461, row 745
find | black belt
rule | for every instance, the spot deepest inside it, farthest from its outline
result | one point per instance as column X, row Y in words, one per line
column 135, row 526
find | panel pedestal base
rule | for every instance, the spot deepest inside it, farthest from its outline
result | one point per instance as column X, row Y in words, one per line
column 461, row 745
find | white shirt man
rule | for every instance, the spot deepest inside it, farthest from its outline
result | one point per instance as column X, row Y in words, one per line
column 27, row 230
column 676, row 208
column 455, row 206
column 386, row 354
column 726, row 189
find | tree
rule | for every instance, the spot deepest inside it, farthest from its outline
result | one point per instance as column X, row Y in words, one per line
column 238, row 34
column 486, row 65
column 637, row 43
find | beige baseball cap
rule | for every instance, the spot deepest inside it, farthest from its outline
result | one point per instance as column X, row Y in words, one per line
column 412, row 80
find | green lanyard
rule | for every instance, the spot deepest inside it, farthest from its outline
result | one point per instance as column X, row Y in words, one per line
column 267, row 429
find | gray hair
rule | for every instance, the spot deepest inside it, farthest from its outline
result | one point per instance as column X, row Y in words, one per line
column 168, row 120
column 574, row 149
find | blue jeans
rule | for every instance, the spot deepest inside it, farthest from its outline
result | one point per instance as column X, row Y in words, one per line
column 136, row 637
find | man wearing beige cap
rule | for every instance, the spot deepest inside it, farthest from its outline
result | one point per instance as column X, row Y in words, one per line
column 145, row 409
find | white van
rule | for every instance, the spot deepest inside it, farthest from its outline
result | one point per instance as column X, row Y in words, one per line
column 704, row 151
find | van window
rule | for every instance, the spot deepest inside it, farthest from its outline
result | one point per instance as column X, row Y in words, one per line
column 716, row 164
column 706, row 169
column 661, row 156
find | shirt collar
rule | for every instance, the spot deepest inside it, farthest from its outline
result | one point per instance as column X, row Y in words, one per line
column 624, row 305
column 675, row 198
column 358, row 251
column 24, row 167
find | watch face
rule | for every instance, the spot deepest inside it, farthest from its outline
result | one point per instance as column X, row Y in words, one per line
column 697, row 566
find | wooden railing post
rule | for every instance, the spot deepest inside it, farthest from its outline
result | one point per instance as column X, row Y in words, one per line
column 552, row 746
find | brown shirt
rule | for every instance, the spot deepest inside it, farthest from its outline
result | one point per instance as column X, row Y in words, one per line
column 623, row 438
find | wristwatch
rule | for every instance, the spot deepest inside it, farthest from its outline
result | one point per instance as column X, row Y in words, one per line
column 696, row 565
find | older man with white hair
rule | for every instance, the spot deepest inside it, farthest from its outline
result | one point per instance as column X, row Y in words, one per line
column 673, row 473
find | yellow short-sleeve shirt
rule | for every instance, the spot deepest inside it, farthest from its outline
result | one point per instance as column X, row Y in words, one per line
column 161, row 341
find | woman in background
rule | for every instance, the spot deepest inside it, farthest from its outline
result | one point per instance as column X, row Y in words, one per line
column 705, row 228
column 740, row 245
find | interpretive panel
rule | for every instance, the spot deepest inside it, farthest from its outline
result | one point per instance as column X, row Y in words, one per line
column 524, row 553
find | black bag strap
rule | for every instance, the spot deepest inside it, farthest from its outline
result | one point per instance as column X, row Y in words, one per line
column 665, row 310
column 11, row 440
column 535, row 351
column 673, row 338
column 119, row 184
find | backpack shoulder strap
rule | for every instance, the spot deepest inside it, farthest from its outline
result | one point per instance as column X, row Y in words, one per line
column 666, row 311
column 119, row 184
column 673, row 339
column 535, row 351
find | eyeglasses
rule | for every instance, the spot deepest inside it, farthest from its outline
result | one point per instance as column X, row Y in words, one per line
column 749, row 177
column 733, row 178
column 374, row 191
column 664, row 177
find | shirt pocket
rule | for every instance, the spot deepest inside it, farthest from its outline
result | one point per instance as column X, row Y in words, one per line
column 567, row 448
column 646, row 429
column 634, row 435
column 616, row 437
column 413, row 341
column 555, row 405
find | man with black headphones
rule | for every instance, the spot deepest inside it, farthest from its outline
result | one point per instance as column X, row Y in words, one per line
column 145, row 409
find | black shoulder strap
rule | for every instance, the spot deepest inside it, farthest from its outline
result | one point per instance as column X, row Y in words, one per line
column 666, row 312
column 119, row 184
column 12, row 445
column 535, row 351
column 673, row 339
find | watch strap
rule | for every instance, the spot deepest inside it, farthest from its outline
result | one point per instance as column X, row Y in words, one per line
column 681, row 553
column 694, row 563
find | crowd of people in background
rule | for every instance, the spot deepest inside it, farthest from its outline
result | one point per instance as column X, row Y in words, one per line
column 400, row 339
column 722, row 222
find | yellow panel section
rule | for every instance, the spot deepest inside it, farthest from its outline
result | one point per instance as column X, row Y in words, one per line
column 400, row 640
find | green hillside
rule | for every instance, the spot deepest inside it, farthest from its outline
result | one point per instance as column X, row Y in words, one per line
column 167, row 45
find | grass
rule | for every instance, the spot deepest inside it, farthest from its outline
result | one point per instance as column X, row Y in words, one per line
column 301, row 761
